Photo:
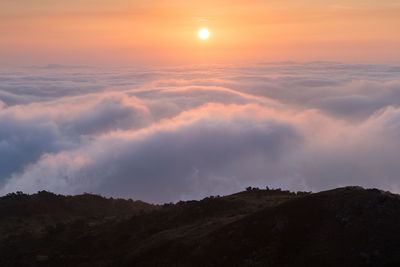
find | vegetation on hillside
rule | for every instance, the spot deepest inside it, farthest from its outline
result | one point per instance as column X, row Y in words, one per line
column 348, row 226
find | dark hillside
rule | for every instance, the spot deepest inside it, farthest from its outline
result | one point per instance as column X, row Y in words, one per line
column 46, row 203
column 36, row 214
column 348, row 226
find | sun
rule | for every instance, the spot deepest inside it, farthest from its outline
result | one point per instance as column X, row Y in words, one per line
column 204, row 34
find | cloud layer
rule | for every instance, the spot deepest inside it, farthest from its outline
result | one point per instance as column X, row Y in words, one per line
column 180, row 133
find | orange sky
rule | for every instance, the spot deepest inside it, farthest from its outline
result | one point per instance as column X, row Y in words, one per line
column 164, row 32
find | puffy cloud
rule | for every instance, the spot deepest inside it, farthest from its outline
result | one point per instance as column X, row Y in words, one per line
column 22, row 142
column 215, row 146
column 2, row 105
column 110, row 112
column 180, row 133
column 29, row 131
column 365, row 154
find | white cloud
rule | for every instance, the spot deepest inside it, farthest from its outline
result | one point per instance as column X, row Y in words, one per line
column 163, row 135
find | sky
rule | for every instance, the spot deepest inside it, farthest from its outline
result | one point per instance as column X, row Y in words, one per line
column 122, row 98
column 122, row 32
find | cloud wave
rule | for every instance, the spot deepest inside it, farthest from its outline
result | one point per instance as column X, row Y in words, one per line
column 168, row 134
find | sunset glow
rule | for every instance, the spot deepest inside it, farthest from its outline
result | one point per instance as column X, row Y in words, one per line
column 161, row 32
column 166, row 100
column 207, row 133
column 204, row 34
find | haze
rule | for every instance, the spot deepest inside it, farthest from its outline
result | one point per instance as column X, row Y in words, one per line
column 124, row 32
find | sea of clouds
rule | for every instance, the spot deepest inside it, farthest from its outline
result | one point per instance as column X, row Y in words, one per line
column 165, row 134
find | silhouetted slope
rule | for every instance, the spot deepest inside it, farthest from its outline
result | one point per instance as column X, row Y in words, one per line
column 347, row 226
column 38, row 213
column 342, row 227
column 46, row 203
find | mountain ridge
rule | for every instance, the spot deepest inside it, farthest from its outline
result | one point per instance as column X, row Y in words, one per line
column 350, row 226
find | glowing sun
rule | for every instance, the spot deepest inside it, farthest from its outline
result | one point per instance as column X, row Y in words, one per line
column 204, row 34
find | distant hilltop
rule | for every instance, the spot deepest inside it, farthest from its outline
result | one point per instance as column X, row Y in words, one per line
column 349, row 226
